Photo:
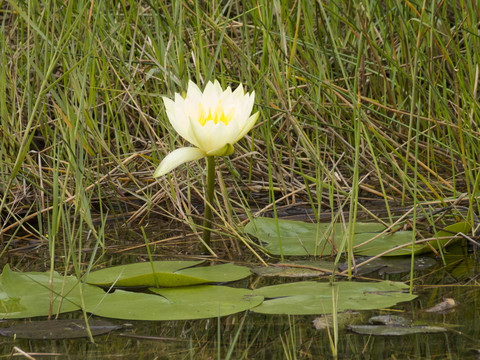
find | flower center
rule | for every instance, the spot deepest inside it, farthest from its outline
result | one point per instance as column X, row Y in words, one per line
column 218, row 115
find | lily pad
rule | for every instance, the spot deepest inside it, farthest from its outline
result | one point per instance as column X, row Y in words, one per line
column 181, row 303
column 387, row 330
column 400, row 238
column 58, row 329
column 167, row 274
column 321, row 239
column 309, row 297
column 30, row 294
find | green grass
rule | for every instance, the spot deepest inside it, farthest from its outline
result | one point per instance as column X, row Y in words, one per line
column 360, row 102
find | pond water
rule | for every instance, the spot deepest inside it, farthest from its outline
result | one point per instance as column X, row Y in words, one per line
column 249, row 335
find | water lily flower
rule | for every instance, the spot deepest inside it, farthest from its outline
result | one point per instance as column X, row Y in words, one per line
column 212, row 121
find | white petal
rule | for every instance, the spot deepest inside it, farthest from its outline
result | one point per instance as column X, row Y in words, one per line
column 196, row 132
column 193, row 92
column 177, row 158
column 222, row 135
column 218, row 88
column 247, row 105
column 169, row 105
column 226, row 94
column 176, row 115
column 239, row 91
column 243, row 108
column 211, row 95
column 215, row 136
column 247, row 126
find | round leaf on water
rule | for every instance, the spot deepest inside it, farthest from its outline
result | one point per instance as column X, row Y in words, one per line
column 453, row 229
column 183, row 303
column 218, row 273
column 138, row 274
column 309, row 297
column 387, row 242
column 321, row 239
column 167, row 274
column 29, row 294
column 301, row 238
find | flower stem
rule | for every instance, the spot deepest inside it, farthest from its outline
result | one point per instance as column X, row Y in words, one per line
column 207, row 223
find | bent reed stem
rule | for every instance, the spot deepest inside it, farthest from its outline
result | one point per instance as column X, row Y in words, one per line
column 207, row 223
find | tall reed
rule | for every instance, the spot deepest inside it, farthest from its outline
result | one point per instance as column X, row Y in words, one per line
column 363, row 103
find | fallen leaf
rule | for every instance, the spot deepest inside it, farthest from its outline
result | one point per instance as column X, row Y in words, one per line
column 445, row 306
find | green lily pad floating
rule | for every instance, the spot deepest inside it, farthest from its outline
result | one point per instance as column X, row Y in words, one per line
column 167, row 274
column 181, row 303
column 389, row 330
column 58, row 329
column 309, row 297
column 322, row 239
column 401, row 238
column 29, row 294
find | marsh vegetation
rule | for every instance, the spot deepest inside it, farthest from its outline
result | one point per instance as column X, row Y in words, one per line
column 368, row 111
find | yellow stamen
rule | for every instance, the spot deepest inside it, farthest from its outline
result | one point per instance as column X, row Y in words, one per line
column 218, row 115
